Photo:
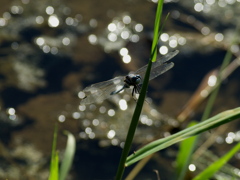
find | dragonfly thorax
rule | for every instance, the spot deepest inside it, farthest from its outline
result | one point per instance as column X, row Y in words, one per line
column 132, row 80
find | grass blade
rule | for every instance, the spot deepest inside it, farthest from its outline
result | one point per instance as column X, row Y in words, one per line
column 54, row 158
column 183, row 154
column 138, row 109
column 156, row 32
column 68, row 156
column 214, row 167
column 208, row 124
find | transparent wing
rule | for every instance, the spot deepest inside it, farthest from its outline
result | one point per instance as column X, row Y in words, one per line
column 100, row 91
column 159, row 67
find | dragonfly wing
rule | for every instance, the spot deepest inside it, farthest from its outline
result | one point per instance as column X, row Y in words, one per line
column 160, row 70
column 100, row 91
column 156, row 64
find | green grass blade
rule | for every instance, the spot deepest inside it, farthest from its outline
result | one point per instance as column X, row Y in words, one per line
column 138, row 109
column 54, row 158
column 210, row 103
column 183, row 154
column 214, row 167
column 208, row 124
column 214, row 94
column 156, row 32
column 68, row 156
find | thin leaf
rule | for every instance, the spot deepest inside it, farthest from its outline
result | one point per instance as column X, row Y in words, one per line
column 210, row 123
column 183, row 154
column 68, row 156
column 54, row 158
column 214, row 167
column 156, row 31
column 138, row 109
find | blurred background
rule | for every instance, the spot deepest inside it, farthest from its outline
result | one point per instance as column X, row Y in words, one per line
column 51, row 50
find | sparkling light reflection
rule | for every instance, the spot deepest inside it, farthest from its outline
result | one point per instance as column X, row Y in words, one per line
column 219, row 37
column 66, row 41
column 111, row 112
column 92, row 39
column 95, row 122
column 123, row 51
column 76, row 115
column 102, row 109
column 164, row 37
column 53, row 21
column 126, row 59
column 163, row 50
column 39, row 19
column 81, row 95
column 49, row 10
column 111, row 134
column 212, row 80
column 192, row 167
column 11, row 111
column 61, row 118
column 123, row 104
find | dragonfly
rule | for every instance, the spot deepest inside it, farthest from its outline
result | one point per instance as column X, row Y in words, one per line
column 97, row 93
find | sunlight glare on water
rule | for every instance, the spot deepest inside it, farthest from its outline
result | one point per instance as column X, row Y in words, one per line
column 112, row 37
column 40, row 41
column 163, row 50
column 39, row 19
column 111, row 134
column 123, row 104
column 11, row 111
column 76, row 115
column 61, row 118
column 212, row 80
column 49, row 10
column 102, row 109
column 123, row 51
column 219, row 37
column 81, row 95
column 138, row 27
column 112, row 27
column 164, row 37
column 92, row 39
column 192, row 167
column 53, row 21
column 111, row 112
column 126, row 59
column 66, row 41
column 95, row 122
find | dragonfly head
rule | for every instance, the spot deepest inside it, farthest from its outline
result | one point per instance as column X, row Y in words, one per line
column 136, row 79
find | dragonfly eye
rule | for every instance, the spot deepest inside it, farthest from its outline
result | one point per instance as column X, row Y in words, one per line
column 136, row 79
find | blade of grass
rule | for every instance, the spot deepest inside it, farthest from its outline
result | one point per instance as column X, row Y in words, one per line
column 156, row 32
column 208, row 124
column 208, row 109
column 54, row 158
column 214, row 167
column 183, row 153
column 138, row 109
column 68, row 156
column 213, row 96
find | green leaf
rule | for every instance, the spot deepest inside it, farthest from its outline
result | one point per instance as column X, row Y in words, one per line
column 183, row 154
column 156, row 32
column 214, row 167
column 68, row 156
column 54, row 158
column 139, row 105
column 210, row 123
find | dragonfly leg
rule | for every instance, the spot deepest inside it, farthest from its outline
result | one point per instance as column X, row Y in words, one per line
column 134, row 88
column 117, row 91
column 138, row 88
